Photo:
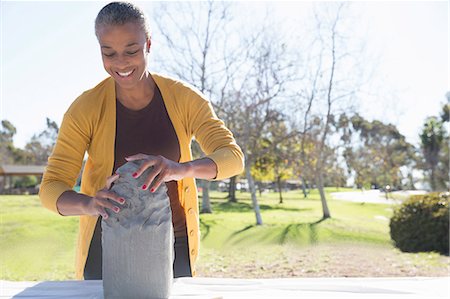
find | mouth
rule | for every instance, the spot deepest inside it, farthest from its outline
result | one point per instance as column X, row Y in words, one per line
column 125, row 74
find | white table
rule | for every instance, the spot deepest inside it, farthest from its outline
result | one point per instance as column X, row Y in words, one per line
column 193, row 288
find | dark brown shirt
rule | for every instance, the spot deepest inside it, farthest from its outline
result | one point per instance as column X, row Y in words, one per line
column 150, row 131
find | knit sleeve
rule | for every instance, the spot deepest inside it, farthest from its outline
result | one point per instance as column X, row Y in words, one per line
column 214, row 138
column 65, row 162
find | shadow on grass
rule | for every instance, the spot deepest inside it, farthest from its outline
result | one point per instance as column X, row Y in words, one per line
column 246, row 207
column 205, row 227
column 295, row 228
column 277, row 234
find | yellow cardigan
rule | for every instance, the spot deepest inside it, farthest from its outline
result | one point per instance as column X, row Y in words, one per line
column 90, row 125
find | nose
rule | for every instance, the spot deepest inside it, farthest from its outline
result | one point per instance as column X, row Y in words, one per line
column 121, row 62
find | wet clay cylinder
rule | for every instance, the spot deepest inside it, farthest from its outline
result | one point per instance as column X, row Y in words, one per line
column 138, row 241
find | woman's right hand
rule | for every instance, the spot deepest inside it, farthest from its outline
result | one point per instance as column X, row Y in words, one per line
column 102, row 200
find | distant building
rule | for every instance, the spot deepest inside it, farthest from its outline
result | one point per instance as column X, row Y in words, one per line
column 7, row 172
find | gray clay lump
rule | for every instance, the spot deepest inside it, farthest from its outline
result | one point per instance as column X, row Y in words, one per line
column 138, row 241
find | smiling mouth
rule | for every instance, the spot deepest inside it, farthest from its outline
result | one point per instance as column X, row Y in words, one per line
column 126, row 74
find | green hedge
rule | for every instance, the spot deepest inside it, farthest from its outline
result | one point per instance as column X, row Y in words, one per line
column 421, row 223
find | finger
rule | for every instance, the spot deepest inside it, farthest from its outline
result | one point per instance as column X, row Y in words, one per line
column 159, row 179
column 111, row 179
column 136, row 157
column 151, row 176
column 104, row 203
column 151, row 161
column 106, row 194
column 102, row 212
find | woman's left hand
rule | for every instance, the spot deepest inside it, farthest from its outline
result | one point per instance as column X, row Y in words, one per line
column 164, row 170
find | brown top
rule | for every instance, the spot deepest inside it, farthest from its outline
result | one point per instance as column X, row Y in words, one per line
column 150, row 131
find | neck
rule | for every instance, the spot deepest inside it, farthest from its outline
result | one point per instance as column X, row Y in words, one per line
column 138, row 96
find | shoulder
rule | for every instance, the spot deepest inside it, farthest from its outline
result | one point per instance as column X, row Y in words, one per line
column 178, row 88
column 92, row 99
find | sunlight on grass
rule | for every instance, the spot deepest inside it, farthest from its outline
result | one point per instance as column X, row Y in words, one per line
column 37, row 244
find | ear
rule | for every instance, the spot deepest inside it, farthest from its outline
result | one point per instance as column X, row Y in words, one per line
column 148, row 45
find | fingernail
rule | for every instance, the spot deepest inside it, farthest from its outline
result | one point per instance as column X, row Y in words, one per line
column 116, row 209
column 121, row 200
column 144, row 187
column 105, row 216
column 135, row 174
column 152, row 190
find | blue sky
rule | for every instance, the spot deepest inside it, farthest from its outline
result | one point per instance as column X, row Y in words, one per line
column 49, row 56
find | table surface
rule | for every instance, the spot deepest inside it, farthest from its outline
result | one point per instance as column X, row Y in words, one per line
column 214, row 288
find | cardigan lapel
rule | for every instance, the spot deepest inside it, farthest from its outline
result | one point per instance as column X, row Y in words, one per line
column 110, row 127
column 175, row 115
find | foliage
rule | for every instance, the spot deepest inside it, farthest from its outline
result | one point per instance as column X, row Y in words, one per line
column 9, row 154
column 434, row 145
column 421, row 223
column 37, row 149
column 380, row 153
column 41, row 145
column 25, row 181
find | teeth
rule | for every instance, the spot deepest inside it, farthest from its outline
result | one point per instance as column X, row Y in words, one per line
column 125, row 74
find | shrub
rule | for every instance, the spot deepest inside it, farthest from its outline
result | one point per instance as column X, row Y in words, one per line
column 421, row 223
column 25, row 181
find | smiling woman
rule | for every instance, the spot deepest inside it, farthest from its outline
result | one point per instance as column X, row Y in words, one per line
column 135, row 115
column 125, row 41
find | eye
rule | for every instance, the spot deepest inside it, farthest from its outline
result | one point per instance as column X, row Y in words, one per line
column 132, row 52
column 108, row 55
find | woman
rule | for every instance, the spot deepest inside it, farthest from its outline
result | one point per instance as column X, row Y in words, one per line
column 135, row 115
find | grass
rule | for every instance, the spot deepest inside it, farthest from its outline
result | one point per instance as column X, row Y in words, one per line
column 37, row 244
column 296, row 221
column 34, row 241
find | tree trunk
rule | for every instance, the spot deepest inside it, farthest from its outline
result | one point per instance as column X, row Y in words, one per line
column 2, row 184
column 305, row 193
column 232, row 190
column 433, row 179
column 279, row 189
column 411, row 181
column 259, row 188
column 251, row 185
column 206, row 204
column 326, row 211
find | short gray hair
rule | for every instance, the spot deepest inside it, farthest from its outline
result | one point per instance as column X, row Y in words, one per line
column 120, row 13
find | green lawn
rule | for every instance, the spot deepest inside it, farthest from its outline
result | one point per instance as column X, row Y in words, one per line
column 37, row 244
column 296, row 221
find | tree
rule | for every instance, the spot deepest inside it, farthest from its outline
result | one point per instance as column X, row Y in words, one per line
column 375, row 152
column 443, row 173
column 262, row 81
column 280, row 143
column 273, row 162
column 9, row 154
column 41, row 145
column 6, row 142
column 329, row 83
column 432, row 141
column 197, row 52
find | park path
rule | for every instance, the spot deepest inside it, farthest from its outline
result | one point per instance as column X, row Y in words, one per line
column 371, row 196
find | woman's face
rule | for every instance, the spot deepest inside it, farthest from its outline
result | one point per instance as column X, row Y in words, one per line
column 124, row 52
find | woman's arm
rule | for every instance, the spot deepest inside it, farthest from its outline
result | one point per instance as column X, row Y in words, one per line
column 65, row 162
column 203, row 168
column 56, row 191
column 214, row 138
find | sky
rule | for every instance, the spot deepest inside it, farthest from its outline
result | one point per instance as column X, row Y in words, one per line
column 49, row 55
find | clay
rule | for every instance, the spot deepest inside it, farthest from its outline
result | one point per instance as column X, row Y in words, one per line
column 138, row 241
